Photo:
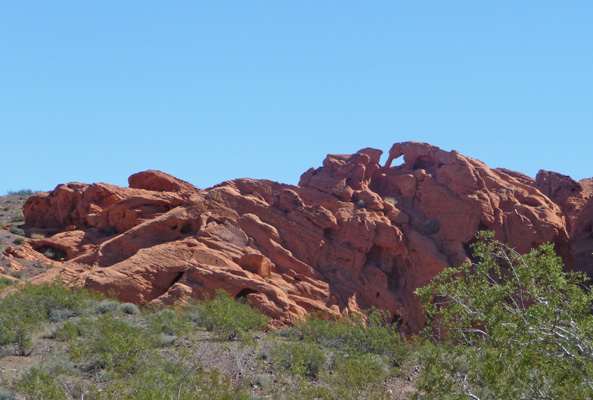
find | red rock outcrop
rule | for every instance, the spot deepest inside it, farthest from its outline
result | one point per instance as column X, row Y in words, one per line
column 353, row 234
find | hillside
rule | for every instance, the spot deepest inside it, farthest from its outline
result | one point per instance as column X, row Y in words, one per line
column 352, row 235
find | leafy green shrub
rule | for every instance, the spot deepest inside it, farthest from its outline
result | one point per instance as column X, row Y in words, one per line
column 107, row 306
column 510, row 326
column 300, row 358
column 23, row 311
column 228, row 318
column 163, row 339
column 4, row 395
column 21, row 193
column 129, row 308
column 111, row 344
column 353, row 378
column 18, row 218
column 17, row 231
column 4, row 282
column 175, row 380
column 166, row 321
column 355, row 336
column 73, row 329
column 40, row 383
column 60, row 314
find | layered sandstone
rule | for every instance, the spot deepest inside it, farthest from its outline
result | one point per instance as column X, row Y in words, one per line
column 353, row 234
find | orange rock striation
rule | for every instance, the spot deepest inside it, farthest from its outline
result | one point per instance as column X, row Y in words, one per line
column 353, row 234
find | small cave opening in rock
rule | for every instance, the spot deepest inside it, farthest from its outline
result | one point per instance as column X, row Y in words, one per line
column 186, row 228
column 423, row 162
column 108, row 231
column 467, row 246
column 378, row 295
column 52, row 253
column 177, row 278
column 397, row 320
column 242, row 295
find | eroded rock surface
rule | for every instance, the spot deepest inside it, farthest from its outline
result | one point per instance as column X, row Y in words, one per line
column 353, row 234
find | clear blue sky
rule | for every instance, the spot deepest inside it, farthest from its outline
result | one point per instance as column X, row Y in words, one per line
column 94, row 91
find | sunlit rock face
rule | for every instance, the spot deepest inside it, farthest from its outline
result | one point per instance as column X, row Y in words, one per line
column 353, row 234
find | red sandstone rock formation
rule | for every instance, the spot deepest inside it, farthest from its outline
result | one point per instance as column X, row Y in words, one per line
column 353, row 234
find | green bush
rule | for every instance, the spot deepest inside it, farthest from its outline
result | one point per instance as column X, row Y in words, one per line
column 111, row 344
column 166, row 321
column 17, row 231
column 300, row 358
column 5, row 282
column 107, row 306
column 228, row 318
column 40, row 383
column 6, row 395
column 24, row 311
column 355, row 336
column 21, row 193
column 352, row 378
column 73, row 329
column 510, row 326
column 129, row 308
column 18, row 218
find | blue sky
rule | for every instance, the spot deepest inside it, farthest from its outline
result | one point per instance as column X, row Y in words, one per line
column 210, row 91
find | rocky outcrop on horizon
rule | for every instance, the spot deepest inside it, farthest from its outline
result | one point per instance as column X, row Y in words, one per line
column 353, row 234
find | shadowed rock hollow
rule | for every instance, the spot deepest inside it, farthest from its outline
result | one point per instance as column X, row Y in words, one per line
column 353, row 234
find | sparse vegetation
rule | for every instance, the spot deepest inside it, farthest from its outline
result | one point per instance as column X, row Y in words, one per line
column 228, row 318
column 18, row 218
column 21, row 193
column 509, row 326
column 16, row 231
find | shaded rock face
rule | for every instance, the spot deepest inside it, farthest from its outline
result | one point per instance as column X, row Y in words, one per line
column 353, row 234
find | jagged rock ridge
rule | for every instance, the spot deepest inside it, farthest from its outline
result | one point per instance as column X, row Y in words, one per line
column 353, row 234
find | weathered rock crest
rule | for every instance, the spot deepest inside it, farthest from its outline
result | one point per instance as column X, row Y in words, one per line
column 353, row 234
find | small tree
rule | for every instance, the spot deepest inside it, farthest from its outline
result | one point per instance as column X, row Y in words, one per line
column 510, row 326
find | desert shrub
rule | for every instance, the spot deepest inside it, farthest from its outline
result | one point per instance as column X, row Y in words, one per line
column 165, row 326
column 60, row 314
column 300, row 358
column 19, row 241
column 107, row 306
column 228, row 318
column 53, row 253
column 4, row 395
column 129, row 308
column 353, row 378
column 72, row 329
column 23, row 311
column 40, row 383
column 509, row 326
column 21, row 193
column 18, row 218
column 289, row 332
column 353, row 335
column 391, row 199
column 111, row 344
column 37, row 236
column 172, row 380
column 166, row 321
column 4, row 282
column 17, row 231
column 432, row 226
